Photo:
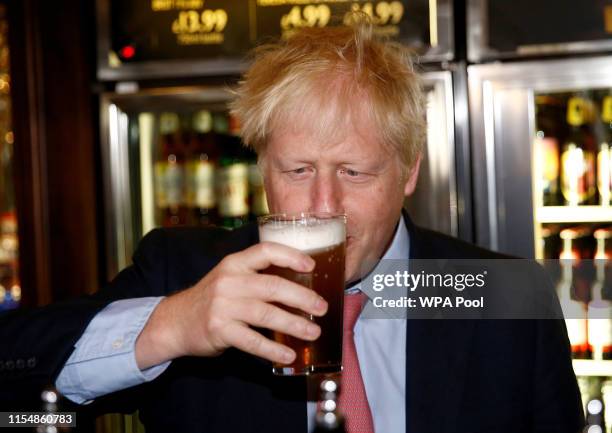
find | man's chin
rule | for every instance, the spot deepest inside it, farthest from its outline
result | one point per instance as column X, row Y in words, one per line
column 354, row 273
column 351, row 275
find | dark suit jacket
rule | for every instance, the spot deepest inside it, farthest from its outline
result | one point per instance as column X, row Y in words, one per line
column 463, row 376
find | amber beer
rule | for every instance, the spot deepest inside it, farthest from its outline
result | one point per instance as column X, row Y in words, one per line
column 322, row 237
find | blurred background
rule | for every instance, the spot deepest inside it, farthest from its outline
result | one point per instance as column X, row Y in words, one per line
column 114, row 120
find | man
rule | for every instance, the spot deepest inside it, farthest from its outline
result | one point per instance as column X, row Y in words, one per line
column 337, row 120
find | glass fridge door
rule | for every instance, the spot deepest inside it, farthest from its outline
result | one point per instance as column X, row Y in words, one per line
column 434, row 202
column 173, row 157
column 542, row 176
column 523, row 116
column 572, row 172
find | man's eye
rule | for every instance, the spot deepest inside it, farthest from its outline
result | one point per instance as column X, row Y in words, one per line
column 298, row 173
column 355, row 176
column 349, row 172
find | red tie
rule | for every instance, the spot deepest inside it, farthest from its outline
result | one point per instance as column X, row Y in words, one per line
column 353, row 401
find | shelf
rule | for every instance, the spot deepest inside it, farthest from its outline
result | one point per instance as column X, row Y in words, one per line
column 573, row 214
column 589, row 367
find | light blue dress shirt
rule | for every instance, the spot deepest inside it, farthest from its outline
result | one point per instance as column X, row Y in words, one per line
column 104, row 360
column 104, row 357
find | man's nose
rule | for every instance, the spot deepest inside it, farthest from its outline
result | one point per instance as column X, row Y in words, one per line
column 327, row 194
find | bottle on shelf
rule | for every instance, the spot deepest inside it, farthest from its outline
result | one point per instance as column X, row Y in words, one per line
column 549, row 249
column 585, row 383
column 233, row 182
column 550, row 241
column 170, row 172
column 578, row 184
column 599, row 311
column 604, row 154
column 574, row 310
column 328, row 418
column 201, row 171
column 546, row 149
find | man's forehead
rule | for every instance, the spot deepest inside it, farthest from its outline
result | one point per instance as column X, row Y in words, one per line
column 331, row 124
column 342, row 136
column 295, row 142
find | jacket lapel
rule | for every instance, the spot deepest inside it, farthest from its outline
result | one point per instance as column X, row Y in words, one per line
column 437, row 353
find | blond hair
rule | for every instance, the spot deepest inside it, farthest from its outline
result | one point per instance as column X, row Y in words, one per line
column 319, row 78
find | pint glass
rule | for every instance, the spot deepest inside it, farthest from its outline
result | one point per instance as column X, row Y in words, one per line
column 322, row 237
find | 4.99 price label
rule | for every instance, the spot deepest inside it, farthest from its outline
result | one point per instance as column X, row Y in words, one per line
column 284, row 17
column 382, row 13
column 306, row 16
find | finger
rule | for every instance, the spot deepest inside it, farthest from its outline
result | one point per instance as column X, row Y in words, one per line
column 246, row 339
column 264, row 254
column 272, row 288
column 264, row 315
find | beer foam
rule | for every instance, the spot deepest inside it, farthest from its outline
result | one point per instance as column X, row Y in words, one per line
column 310, row 236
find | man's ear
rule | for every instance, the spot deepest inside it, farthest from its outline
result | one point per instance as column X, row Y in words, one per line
column 412, row 177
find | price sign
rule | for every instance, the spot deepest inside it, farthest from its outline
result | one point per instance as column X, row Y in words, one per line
column 403, row 20
column 308, row 16
column 382, row 13
column 209, row 23
column 198, row 30
column 144, row 30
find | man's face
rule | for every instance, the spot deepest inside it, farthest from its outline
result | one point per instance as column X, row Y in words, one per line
column 355, row 175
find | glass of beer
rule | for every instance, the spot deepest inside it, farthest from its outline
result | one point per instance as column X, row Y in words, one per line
column 323, row 237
